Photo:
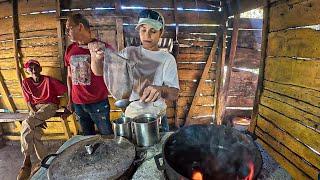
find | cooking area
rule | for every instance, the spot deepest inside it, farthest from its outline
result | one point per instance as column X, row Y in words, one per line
column 168, row 90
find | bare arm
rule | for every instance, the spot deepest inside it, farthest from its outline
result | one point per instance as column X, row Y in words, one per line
column 97, row 53
column 69, row 85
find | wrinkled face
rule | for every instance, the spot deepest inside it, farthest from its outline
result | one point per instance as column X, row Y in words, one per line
column 34, row 70
column 149, row 37
column 72, row 31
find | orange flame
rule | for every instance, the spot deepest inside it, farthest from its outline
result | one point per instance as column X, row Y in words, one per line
column 197, row 175
column 251, row 173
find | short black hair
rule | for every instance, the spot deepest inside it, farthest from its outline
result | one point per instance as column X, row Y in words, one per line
column 79, row 18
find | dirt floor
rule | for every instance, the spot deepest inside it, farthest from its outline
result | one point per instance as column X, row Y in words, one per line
column 11, row 157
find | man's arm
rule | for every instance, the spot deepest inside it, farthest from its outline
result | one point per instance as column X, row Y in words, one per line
column 69, row 85
column 152, row 93
column 97, row 54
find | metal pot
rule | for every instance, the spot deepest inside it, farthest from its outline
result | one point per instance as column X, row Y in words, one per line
column 145, row 129
column 122, row 127
column 93, row 158
column 217, row 152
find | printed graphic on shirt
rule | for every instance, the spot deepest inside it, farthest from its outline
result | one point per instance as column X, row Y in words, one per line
column 80, row 69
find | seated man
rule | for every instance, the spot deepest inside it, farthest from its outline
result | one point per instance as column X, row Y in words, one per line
column 40, row 93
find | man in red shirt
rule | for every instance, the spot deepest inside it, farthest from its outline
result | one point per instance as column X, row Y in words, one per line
column 88, row 94
column 41, row 94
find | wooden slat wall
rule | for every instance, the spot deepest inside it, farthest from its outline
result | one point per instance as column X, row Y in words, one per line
column 288, row 118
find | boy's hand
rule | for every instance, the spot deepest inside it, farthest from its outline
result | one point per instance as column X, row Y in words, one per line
column 96, row 50
column 151, row 94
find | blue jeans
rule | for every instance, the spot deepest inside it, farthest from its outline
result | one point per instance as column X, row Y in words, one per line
column 95, row 113
column 164, row 124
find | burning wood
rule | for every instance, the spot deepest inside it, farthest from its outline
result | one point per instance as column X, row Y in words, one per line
column 197, row 175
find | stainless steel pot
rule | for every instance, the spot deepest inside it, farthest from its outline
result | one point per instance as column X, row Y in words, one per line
column 145, row 129
column 122, row 127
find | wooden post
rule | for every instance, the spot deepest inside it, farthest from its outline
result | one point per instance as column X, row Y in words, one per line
column 232, row 53
column 175, row 52
column 219, row 103
column 205, row 72
column 6, row 95
column 15, row 28
column 265, row 32
column 60, row 41
column 119, row 26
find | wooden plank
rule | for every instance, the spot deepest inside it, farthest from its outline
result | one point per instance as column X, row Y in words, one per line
column 298, row 94
column 198, row 111
column 186, row 57
column 248, row 58
column 40, row 51
column 293, row 170
column 185, row 4
column 60, row 41
column 31, row 22
column 188, row 88
column 190, row 75
column 186, row 101
column 249, row 39
column 243, row 83
column 294, row 72
column 36, row 6
column 194, row 50
column 307, row 109
column 5, row 95
column 239, row 101
column 120, row 38
column 285, row 15
column 219, row 94
column 5, row 9
column 194, row 66
column 7, row 22
column 15, row 32
column 297, row 130
column 294, row 43
column 290, row 142
column 309, row 120
column 287, row 153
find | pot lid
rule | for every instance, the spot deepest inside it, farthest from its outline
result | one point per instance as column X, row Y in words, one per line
column 105, row 158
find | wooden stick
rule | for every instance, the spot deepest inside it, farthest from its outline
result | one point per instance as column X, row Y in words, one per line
column 61, row 43
column 205, row 72
column 219, row 103
column 15, row 28
column 8, row 101
column 260, row 85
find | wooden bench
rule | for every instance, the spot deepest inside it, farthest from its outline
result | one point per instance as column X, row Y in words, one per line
column 63, row 113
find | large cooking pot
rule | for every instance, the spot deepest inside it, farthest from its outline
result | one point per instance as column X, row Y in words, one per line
column 93, row 158
column 210, row 152
column 145, row 129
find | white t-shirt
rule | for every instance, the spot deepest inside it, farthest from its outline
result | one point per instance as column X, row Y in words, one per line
column 166, row 74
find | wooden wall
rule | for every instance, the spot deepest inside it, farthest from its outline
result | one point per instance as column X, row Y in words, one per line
column 287, row 117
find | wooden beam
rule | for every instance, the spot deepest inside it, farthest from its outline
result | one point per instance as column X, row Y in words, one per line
column 205, row 72
column 265, row 32
column 8, row 101
column 219, row 106
column 60, row 41
column 225, row 86
column 119, row 26
column 15, row 28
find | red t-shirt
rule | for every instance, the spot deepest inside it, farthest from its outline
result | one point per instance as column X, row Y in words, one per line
column 44, row 92
column 86, row 87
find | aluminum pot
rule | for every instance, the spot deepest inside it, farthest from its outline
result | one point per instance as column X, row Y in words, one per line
column 122, row 127
column 145, row 129
column 217, row 152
